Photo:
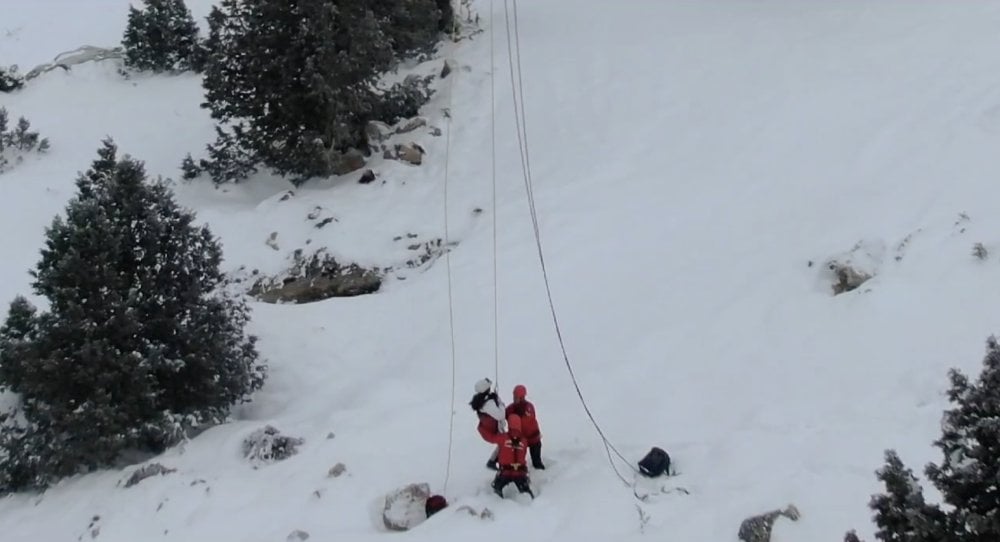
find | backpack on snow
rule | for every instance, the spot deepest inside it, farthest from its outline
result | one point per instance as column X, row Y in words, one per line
column 434, row 504
column 656, row 463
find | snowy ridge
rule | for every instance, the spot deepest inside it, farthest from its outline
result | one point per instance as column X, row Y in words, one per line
column 690, row 160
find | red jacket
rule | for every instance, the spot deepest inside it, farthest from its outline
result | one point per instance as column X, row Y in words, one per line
column 513, row 457
column 529, row 422
column 489, row 429
column 490, row 410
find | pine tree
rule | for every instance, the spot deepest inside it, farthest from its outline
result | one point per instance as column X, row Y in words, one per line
column 969, row 476
column 19, row 141
column 413, row 26
column 138, row 346
column 301, row 75
column 162, row 37
column 901, row 513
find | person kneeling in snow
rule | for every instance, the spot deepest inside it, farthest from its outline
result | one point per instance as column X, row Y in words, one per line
column 513, row 461
column 490, row 410
column 523, row 408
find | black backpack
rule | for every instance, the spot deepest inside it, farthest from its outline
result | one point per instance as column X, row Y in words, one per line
column 656, row 463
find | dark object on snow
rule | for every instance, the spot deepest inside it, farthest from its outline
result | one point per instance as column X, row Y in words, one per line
column 758, row 528
column 435, row 504
column 656, row 463
column 367, row 177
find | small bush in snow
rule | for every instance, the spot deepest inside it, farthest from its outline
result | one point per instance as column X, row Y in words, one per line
column 189, row 169
column 980, row 252
column 16, row 142
column 267, row 445
column 162, row 37
column 966, row 478
column 10, row 79
column 138, row 346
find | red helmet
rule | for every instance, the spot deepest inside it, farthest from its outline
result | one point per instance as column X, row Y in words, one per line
column 520, row 392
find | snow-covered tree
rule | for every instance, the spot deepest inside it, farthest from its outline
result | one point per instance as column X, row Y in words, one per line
column 295, row 81
column 10, row 79
column 968, row 477
column 16, row 142
column 162, row 37
column 901, row 513
column 138, row 347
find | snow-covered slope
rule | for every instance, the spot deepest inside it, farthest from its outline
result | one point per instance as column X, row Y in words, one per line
column 690, row 160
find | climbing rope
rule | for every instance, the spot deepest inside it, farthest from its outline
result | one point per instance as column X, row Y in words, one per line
column 517, row 89
column 447, row 260
column 493, row 165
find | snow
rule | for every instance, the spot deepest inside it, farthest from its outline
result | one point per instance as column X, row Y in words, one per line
column 690, row 159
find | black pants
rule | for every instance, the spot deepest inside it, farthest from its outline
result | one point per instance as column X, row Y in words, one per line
column 520, row 482
column 536, row 455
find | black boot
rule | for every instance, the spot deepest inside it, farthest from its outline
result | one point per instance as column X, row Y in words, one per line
column 524, row 487
column 492, row 464
column 536, row 456
column 498, row 485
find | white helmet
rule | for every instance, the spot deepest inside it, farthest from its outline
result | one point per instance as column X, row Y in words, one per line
column 483, row 385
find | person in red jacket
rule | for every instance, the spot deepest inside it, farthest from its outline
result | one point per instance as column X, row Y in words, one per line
column 492, row 421
column 523, row 408
column 513, row 461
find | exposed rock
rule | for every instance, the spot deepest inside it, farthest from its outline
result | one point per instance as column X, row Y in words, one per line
column 314, row 214
column 486, row 513
column 411, row 125
column 153, row 469
column 288, row 195
column 847, row 277
column 316, row 278
column 351, row 160
column 411, row 153
column 367, row 177
column 377, row 131
column 272, row 240
column 387, row 154
column 325, row 221
column 267, row 445
column 336, row 470
column 847, row 271
column 435, row 131
column 445, row 70
column 758, row 528
column 404, row 507
column 297, row 536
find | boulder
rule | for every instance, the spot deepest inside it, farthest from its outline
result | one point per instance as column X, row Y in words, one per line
column 351, row 160
column 317, row 278
column 377, row 131
column 411, row 125
column 758, row 528
column 153, row 469
column 404, row 508
column 411, row 153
